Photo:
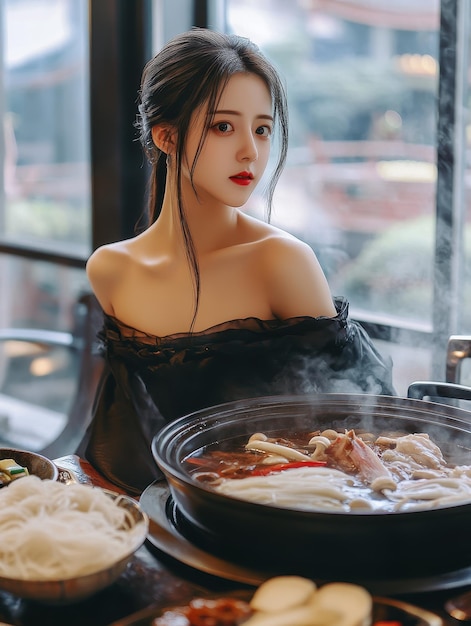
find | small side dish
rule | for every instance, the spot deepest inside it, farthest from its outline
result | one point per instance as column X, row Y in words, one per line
column 10, row 470
column 280, row 601
column 16, row 463
column 288, row 601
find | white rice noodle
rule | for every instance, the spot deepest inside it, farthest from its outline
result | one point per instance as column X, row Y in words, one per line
column 430, row 493
column 299, row 488
column 53, row 531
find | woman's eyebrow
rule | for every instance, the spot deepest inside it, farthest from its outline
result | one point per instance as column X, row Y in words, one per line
column 230, row 112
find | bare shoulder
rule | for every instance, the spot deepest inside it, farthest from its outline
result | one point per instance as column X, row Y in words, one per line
column 105, row 261
column 279, row 250
column 294, row 278
column 289, row 247
column 272, row 241
column 105, row 265
column 283, row 255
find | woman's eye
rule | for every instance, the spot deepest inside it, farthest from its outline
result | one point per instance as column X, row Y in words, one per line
column 265, row 131
column 223, row 127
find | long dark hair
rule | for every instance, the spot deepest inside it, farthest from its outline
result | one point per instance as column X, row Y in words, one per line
column 189, row 72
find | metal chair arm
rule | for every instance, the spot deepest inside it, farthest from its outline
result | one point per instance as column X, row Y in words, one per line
column 40, row 336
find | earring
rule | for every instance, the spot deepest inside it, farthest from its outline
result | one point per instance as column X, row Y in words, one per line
column 167, row 160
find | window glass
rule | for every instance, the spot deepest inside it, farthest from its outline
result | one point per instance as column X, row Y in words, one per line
column 463, row 192
column 37, row 381
column 36, row 294
column 45, row 130
column 359, row 185
column 461, row 245
column 44, row 102
column 169, row 17
column 45, row 204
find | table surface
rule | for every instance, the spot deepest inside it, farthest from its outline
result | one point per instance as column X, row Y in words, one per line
column 151, row 579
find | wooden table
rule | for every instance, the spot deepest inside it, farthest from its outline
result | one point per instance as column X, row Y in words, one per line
column 151, row 579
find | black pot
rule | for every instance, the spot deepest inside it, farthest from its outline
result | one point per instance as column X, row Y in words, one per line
column 352, row 546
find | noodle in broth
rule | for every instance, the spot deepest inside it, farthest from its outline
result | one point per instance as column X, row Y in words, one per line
column 374, row 474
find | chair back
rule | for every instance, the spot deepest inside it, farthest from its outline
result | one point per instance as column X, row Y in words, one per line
column 88, row 321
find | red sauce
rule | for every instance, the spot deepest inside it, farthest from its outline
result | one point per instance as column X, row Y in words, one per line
column 206, row 612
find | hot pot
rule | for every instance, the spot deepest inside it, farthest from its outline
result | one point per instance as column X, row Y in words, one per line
column 352, row 546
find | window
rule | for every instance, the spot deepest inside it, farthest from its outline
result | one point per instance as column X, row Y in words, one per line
column 45, row 206
column 46, row 199
column 361, row 171
column 366, row 164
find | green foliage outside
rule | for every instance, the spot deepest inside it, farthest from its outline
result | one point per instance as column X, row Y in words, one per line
column 393, row 274
column 48, row 221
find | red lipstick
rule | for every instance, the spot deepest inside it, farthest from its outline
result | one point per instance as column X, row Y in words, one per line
column 242, row 178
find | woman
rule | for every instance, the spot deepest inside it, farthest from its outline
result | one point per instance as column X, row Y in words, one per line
column 208, row 304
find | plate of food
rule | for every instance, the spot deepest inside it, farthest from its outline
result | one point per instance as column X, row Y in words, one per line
column 16, row 464
column 292, row 600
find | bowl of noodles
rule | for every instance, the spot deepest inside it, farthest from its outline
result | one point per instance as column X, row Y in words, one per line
column 324, row 486
column 62, row 543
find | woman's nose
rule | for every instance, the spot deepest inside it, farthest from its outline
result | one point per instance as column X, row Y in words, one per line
column 248, row 148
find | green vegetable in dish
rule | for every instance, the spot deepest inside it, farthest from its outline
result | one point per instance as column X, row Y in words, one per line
column 10, row 470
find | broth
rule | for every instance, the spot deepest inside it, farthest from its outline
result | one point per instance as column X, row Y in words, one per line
column 330, row 471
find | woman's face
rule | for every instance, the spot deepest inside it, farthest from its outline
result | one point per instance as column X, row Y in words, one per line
column 237, row 147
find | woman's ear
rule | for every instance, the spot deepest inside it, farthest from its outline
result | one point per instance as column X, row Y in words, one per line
column 163, row 138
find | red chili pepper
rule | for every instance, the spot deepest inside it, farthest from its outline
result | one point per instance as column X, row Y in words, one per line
column 280, row 467
column 194, row 460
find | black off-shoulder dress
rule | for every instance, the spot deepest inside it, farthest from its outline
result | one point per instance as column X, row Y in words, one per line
column 149, row 381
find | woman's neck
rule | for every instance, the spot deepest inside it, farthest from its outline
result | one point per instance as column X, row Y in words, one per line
column 212, row 225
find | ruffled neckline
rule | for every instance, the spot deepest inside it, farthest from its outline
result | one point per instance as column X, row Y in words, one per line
column 250, row 324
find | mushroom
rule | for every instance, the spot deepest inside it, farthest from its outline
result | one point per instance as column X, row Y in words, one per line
column 321, row 444
column 275, row 448
column 258, row 437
